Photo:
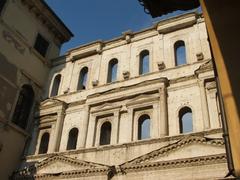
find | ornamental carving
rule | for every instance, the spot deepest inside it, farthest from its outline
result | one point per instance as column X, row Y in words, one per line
column 126, row 74
column 11, row 39
column 95, row 82
column 161, row 65
column 200, row 56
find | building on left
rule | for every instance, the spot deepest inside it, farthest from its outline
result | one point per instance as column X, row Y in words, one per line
column 30, row 36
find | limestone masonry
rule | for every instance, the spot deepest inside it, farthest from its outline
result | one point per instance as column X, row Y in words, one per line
column 141, row 106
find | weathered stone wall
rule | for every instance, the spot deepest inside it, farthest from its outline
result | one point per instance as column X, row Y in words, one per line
column 160, row 94
column 20, row 64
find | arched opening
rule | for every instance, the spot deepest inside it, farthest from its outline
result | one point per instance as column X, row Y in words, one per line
column 105, row 134
column 82, row 81
column 72, row 139
column 43, row 148
column 185, row 120
column 23, row 106
column 112, row 70
column 144, row 62
column 180, row 53
column 56, row 84
column 144, row 127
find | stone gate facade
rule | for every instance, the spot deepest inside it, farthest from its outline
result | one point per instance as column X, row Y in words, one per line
column 141, row 106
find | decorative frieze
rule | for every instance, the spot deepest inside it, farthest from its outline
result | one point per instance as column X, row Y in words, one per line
column 12, row 40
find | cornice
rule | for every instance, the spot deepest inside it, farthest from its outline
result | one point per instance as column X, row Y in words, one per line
column 45, row 14
column 179, row 163
column 207, row 66
column 190, row 139
column 53, row 102
column 182, row 79
column 89, row 169
column 142, row 163
column 132, row 86
column 164, row 26
column 67, row 160
column 176, row 23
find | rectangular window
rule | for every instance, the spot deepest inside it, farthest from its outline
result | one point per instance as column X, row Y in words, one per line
column 41, row 45
column 2, row 3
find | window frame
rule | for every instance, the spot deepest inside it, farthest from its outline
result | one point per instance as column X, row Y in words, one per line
column 140, row 122
column 182, row 111
column 39, row 38
column 81, row 78
column 177, row 45
column 142, row 55
column 22, row 113
column 53, row 86
column 111, row 63
column 40, row 150
column 101, row 143
column 75, row 139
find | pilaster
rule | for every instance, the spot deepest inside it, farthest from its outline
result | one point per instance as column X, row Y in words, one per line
column 115, row 128
column 163, row 108
column 204, row 104
column 84, row 128
column 56, row 132
column 90, row 139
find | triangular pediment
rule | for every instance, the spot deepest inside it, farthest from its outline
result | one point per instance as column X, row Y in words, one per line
column 48, row 102
column 186, row 148
column 190, row 151
column 142, row 98
column 105, row 106
column 58, row 164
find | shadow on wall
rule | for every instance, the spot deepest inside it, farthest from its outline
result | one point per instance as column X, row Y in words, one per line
column 8, row 90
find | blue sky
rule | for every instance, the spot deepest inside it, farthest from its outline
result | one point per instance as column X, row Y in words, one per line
column 91, row 20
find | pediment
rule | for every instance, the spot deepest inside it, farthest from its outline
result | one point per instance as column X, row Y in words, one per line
column 205, row 67
column 49, row 102
column 105, row 106
column 142, row 98
column 186, row 148
column 190, row 151
column 58, row 164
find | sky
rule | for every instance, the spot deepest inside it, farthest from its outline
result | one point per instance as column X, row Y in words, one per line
column 91, row 20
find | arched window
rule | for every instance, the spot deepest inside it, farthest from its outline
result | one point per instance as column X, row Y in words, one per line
column 185, row 120
column 144, row 127
column 82, row 81
column 180, row 53
column 56, row 84
column 144, row 62
column 112, row 70
column 72, row 139
column 43, row 148
column 23, row 106
column 105, row 134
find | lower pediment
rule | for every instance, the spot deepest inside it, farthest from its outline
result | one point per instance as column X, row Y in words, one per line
column 62, row 167
column 190, row 151
column 59, row 167
column 186, row 148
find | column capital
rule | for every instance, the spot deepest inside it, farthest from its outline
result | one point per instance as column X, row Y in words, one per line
column 164, row 80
